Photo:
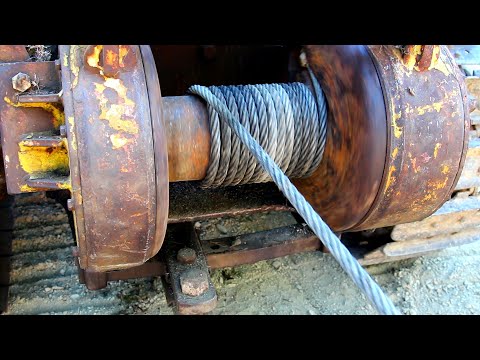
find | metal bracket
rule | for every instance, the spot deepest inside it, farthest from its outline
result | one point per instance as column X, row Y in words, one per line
column 188, row 277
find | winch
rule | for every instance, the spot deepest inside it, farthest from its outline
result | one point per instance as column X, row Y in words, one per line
column 371, row 136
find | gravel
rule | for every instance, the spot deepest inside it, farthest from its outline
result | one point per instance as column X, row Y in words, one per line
column 45, row 280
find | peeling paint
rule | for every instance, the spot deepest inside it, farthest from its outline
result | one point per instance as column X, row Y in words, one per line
column 441, row 66
column 435, row 151
column 57, row 113
column 123, row 52
column 74, row 67
column 41, row 159
column 26, row 188
column 397, row 130
column 113, row 113
column 71, row 123
column 445, row 169
column 119, row 141
column 394, row 153
column 437, row 106
column 390, row 178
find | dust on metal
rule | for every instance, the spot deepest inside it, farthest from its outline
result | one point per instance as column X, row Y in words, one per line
column 193, row 282
column 186, row 255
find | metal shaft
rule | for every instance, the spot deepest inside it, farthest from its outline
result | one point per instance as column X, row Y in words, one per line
column 188, row 134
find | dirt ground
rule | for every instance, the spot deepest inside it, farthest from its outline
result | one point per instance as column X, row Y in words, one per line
column 45, row 280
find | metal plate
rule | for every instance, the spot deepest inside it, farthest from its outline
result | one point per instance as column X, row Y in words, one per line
column 19, row 119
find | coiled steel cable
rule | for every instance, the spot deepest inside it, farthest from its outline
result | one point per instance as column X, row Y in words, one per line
column 351, row 266
column 284, row 118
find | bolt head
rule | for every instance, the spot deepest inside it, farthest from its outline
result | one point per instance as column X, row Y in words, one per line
column 194, row 282
column 21, row 82
column 63, row 131
column 70, row 205
column 186, row 256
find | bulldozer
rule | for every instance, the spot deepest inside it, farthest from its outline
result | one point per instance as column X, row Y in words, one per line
column 380, row 140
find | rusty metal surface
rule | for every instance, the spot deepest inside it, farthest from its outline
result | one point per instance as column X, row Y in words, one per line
column 189, row 203
column 40, row 98
column 250, row 248
column 428, row 135
column 188, row 133
column 19, row 119
column 112, row 161
column 160, row 148
column 13, row 53
column 190, row 283
column 420, row 57
column 345, row 184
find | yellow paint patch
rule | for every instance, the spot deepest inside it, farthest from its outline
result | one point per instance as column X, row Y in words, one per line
column 441, row 66
column 397, row 130
column 26, row 188
column 123, row 51
column 65, row 60
column 394, row 153
column 437, row 185
column 445, row 169
column 74, row 67
column 119, row 141
column 435, row 151
column 58, row 115
column 114, row 113
column 43, row 159
column 71, row 122
column 390, row 178
column 429, row 108
column 410, row 59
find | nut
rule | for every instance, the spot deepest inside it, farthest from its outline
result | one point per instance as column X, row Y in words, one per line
column 186, row 256
column 193, row 282
column 21, row 82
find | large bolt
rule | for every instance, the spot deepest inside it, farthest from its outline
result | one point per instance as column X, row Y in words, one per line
column 63, row 131
column 193, row 282
column 21, row 82
column 186, row 256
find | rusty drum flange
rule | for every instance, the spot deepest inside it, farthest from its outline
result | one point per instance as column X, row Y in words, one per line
column 397, row 134
column 120, row 208
column 428, row 124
